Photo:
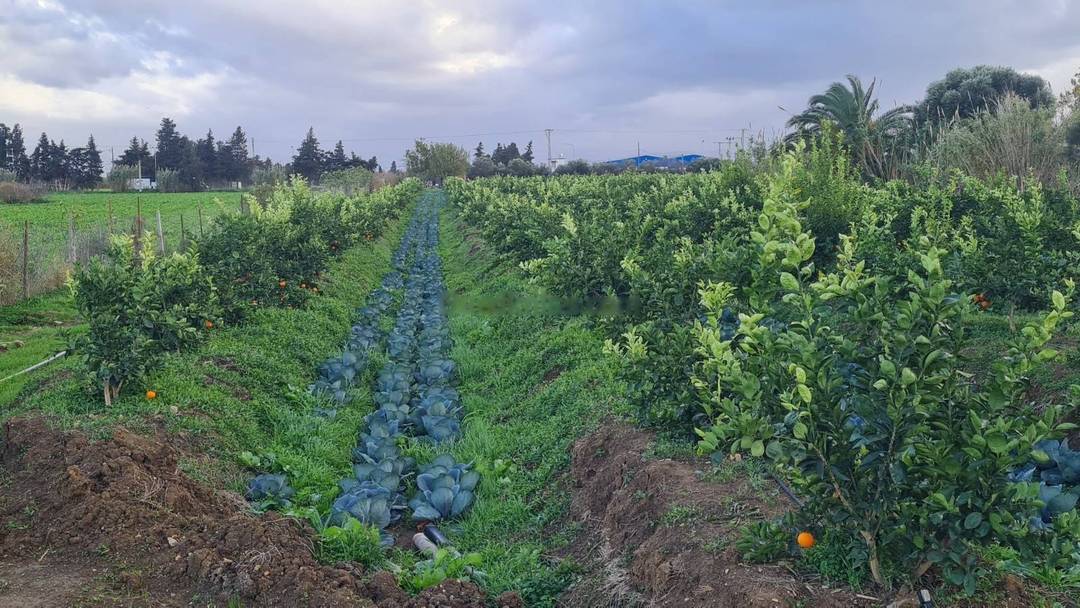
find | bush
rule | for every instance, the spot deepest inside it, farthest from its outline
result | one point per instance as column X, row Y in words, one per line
column 18, row 192
column 346, row 181
column 120, row 176
column 854, row 386
column 276, row 255
column 167, row 180
column 138, row 310
column 1011, row 138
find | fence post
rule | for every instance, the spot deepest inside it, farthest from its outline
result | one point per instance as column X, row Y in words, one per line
column 199, row 209
column 25, row 260
column 160, row 234
column 183, row 234
column 73, row 252
column 136, row 244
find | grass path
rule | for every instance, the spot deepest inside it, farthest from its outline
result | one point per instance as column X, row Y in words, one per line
column 532, row 381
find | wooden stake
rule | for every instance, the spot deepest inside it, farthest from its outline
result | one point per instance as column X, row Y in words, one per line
column 183, row 234
column 160, row 234
column 136, row 244
column 73, row 252
column 25, row 260
column 199, row 209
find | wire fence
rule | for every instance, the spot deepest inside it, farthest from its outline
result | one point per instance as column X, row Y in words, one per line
column 36, row 258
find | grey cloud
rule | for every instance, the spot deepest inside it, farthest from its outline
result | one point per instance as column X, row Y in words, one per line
column 678, row 73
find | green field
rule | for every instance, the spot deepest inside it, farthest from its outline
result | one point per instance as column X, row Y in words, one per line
column 92, row 208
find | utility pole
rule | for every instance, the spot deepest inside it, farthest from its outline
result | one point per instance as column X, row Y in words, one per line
column 639, row 148
column 718, row 144
column 547, row 133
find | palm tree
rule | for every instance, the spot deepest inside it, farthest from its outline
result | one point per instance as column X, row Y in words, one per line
column 877, row 143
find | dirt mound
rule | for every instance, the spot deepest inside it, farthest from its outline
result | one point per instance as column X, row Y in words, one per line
column 122, row 514
column 659, row 534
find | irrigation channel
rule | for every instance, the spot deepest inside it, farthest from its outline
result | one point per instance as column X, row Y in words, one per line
column 414, row 395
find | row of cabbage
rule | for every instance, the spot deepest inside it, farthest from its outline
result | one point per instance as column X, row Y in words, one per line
column 414, row 395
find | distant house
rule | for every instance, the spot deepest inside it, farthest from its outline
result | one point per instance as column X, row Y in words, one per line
column 673, row 162
column 141, row 183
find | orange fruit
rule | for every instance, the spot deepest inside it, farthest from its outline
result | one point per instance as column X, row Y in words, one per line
column 151, row 394
column 209, row 324
column 281, row 283
column 805, row 540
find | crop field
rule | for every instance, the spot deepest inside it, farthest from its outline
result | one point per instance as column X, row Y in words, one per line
column 574, row 389
column 69, row 227
column 707, row 369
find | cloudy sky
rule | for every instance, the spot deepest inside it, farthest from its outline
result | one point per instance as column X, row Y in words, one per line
column 673, row 76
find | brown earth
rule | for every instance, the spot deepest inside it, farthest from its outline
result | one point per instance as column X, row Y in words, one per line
column 658, row 533
column 118, row 523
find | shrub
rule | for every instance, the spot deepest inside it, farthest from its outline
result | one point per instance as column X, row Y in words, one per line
column 276, row 255
column 167, row 180
column 120, row 176
column 18, row 192
column 854, row 386
column 346, row 181
column 1012, row 137
column 136, row 310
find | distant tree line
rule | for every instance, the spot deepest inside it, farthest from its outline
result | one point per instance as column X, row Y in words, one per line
column 176, row 161
column 504, row 160
column 50, row 163
column 311, row 161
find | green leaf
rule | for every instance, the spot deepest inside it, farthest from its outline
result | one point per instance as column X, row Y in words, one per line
column 757, row 450
column 804, row 392
column 774, row 450
column 972, row 521
column 881, row 384
column 997, row 443
column 800, row 430
column 907, row 377
column 789, row 282
column 1058, row 299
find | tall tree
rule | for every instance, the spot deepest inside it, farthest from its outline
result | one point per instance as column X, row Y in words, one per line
column 20, row 162
column 86, row 165
column 527, row 156
column 393, row 166
column 138, row 154
column 5, row 136
column 206, row 152
column 499, row 154
column 239, row 163
column 41, row 159
column 170, row 147
column 308, row 161
column 964, row 92
column 872, row 138
column 436, row 161
column 511, row 153
column 479, row 152
column 337, row 160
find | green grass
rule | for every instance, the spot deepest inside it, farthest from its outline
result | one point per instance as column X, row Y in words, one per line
column 37, row 324
column 92, row 208
column 244, row 389
column 532, row 380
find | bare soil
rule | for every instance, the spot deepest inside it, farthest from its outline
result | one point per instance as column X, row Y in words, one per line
column 658, row 533
column 118, row 523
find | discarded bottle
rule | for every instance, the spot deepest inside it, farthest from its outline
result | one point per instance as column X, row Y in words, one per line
column 423, row 545
column 436, row 535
